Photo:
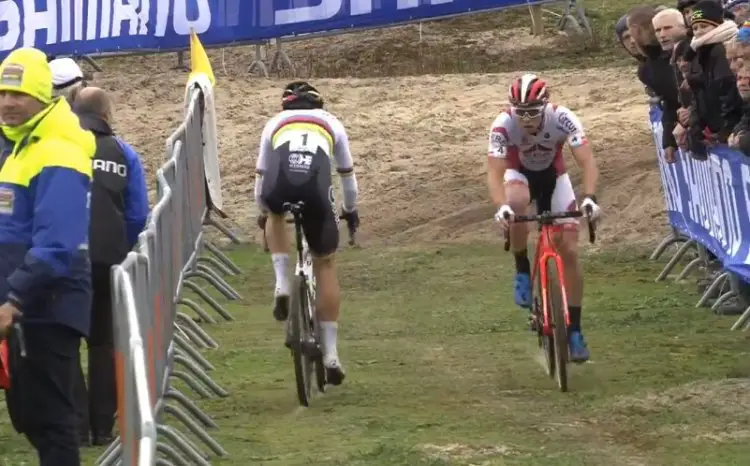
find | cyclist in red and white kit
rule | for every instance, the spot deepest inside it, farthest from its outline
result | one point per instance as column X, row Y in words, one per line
column 526, row 163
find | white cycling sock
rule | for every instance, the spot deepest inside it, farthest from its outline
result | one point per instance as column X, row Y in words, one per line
column 328, row 333
column 281, row 269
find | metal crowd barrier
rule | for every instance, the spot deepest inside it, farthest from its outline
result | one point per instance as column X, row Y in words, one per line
column 155, row 341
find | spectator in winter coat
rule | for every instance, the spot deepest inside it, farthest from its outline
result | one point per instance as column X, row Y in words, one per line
column 740, row 138
column 119, row 208
column 45, row 274
column 717, row 106
column 656, row 73
column 682, row 70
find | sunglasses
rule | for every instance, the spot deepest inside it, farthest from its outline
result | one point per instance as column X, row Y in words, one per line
column 527, row 114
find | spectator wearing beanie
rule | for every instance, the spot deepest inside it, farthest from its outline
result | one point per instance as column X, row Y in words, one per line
column 717, row 107
column 740, row 138
column 656, row 72
column 623, row 36
column 686, row 8
column 45, row 274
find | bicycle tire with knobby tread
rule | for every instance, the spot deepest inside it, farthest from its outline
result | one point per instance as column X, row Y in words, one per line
column 546, row 345
column 554, row 293
column 297, row 302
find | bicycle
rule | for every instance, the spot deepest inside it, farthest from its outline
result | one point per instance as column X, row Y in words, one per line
column 549, row 316
column 302, row 328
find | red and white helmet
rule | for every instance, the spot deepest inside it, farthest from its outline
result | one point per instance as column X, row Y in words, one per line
column 528, row 91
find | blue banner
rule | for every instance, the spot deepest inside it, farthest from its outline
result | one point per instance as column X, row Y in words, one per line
column 78, row 27
column 709, row 200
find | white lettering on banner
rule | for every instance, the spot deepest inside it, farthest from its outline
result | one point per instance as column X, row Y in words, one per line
column 102, row 19
column 329, row 8
column 733, row 230
column 674, row 197
column 36, row 20
column 12, row 18
column 746, row 190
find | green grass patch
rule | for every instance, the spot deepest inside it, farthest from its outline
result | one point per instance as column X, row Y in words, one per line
column 442, row 371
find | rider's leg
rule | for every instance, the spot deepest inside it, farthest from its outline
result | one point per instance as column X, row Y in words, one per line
column 278, row 243
column 518, row 197
column 563, row 198
column 323, row 237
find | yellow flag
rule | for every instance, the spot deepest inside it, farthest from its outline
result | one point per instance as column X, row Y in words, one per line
column 198, row 59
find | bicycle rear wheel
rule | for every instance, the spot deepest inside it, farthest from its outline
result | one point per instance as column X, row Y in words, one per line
column 299, row 312
column 546, row 344
column 560, row 331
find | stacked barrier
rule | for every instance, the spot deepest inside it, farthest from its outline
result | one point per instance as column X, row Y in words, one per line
column 154, row 341
column 708, row 204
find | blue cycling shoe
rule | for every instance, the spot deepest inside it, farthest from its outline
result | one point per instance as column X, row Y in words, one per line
column 579, row 352
column 522, row 290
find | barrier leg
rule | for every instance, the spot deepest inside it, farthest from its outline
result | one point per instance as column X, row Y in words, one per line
column 675, row 259
column 179, row 397
column 201, row 375
column 280, row 58
column 742, row 320
column 186, row 321
column 711, row 290
column 181, row 62
column 175, row 458
column 209, row 271
column 219, row 284
column 91, row 62
column 189, row 335
column 111, row 454
column 163, row 462
column 183, row 444
column 258, row 65
column 203, row 315
column 193, row 427
column 208, row 299
column 182, row 345
column 215, row 263
column 191, row 382
column 689, row 268
column 209, row 221
column 210, row 247
column 722, row 299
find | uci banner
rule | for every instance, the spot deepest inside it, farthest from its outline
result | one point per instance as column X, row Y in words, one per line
column 709, row 200
column 80, row 27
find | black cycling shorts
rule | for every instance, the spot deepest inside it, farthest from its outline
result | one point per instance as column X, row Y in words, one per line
column 306, row 177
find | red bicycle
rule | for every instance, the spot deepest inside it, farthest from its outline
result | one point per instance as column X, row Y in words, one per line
column 549, row 313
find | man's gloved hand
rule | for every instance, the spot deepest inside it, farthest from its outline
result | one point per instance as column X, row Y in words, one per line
column 262, row 219
column 501, row 214
column 590, row 201
column 352, row 219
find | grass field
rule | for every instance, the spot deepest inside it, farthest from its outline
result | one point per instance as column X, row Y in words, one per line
column 441, row 372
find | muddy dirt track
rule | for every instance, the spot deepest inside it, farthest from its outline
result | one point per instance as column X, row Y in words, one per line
column 419, row 142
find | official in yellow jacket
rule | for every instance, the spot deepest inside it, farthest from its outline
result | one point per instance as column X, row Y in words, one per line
column 45, row 273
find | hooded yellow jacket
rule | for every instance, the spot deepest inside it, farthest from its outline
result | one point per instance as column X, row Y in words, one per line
column 44, row 218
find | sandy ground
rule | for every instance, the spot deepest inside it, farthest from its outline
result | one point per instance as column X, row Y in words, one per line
column 419, row 142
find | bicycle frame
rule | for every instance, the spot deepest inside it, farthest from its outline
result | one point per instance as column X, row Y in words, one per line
column 545, row 250
column 304, row 265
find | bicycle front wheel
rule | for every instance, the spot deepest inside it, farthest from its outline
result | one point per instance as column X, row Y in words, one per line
column 299, row 310
column 560, row 331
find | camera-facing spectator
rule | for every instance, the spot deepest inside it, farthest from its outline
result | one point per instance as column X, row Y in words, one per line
column 656, row 73
column 734, row 52
column 740, row 138
column 717, row 107
column 740, row 9
column 627, row 42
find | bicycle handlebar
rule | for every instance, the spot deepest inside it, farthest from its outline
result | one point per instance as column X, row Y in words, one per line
column 547, row 218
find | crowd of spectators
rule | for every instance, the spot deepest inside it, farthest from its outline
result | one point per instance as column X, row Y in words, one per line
column 694, row 61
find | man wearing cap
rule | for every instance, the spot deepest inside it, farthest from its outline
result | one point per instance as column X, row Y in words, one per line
column 45, row 274
column 67, row 78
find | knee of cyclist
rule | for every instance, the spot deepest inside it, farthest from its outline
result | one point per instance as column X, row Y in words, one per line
column 325, row 262
column 567, row 245
column 519, row 206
